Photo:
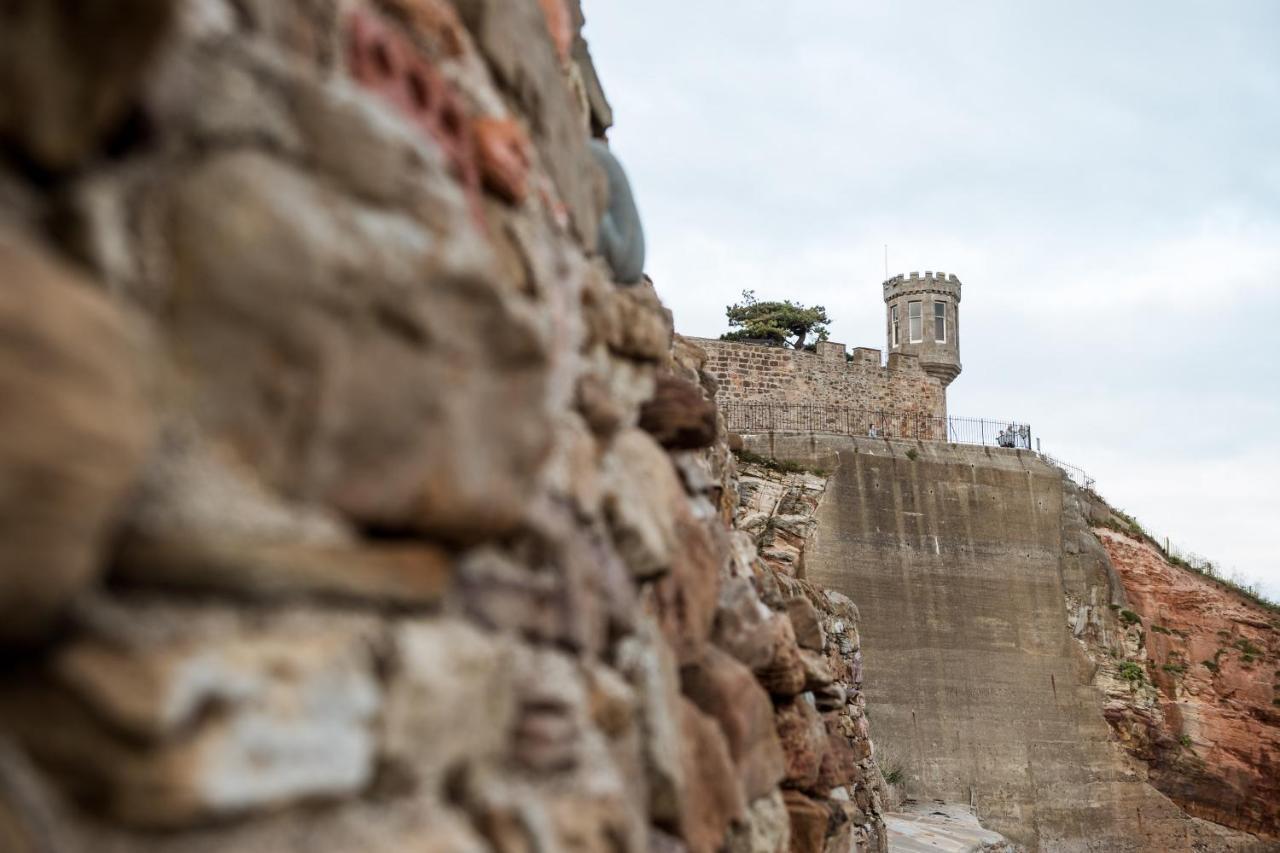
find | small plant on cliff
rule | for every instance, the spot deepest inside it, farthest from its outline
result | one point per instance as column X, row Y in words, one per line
column 1160, row 629
column 775, row 322
column 782, row 466
column 1128, row 617
column 1185, row 740
column 1132, row 672
column 912, row 455
column 1175, row 668
column 1244, row 645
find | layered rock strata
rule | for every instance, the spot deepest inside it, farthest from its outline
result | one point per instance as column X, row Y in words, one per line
column 349, row 503
column 1189, row 671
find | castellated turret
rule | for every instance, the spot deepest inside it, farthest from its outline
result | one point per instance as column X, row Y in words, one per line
column 922, row 319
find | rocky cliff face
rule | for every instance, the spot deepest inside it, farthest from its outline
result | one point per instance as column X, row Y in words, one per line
column 348, row 500
column 1195, row 690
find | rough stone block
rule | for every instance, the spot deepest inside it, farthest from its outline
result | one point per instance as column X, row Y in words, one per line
column 449, row 678
column 644, row 500
column 742, row 624
column 684, row 600
column 809, row 823
column 353, row 405
column 679, row 416
column 713, row 798
column 71, row 70
column 514, row 39
column 807, row 623
column 783, row 674
column 725, row 689
column 804, row 740
column 76, row 428
column 296, row 704
column 503, row 150
column 767, row 828
column 651, row 668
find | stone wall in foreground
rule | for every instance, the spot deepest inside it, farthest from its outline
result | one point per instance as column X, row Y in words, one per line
column 752, row 373
column 346, row 502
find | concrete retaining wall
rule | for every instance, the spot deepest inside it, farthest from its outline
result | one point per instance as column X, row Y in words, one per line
column 975, row 686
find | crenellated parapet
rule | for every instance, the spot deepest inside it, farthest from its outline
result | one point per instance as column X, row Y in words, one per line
column 926, row 282
column 922, row 319
column 830, row 376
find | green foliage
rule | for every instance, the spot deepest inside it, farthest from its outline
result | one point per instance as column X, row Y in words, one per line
column 1132, row 672
column 1244, row 645
column 912, row 455
column 782, row 466
column 1123, row 523
column 775, row 322
column 1160, row 629
column 1128, row 617
column 1185, row 740
column 893, row 775
column 1175, row 668
column 1211, row 665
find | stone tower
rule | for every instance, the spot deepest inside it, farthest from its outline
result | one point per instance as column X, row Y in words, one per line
column 921, row 316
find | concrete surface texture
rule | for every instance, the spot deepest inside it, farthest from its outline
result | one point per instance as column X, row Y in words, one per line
column 977, row 691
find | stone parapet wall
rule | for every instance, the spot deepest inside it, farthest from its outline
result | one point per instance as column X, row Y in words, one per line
column 751, row 373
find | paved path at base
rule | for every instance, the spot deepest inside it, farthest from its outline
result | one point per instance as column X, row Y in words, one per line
column 936, row 827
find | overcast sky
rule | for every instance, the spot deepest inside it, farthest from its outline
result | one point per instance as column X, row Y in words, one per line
column 1104, row 178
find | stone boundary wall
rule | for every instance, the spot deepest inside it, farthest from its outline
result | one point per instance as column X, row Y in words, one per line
column 348, row 500
column 751, row 373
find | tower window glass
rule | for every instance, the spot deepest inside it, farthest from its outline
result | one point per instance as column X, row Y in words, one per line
column 915, row 322
column 893, row 321
column 940, row 322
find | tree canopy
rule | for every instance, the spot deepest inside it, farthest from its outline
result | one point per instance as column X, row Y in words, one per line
column 775, row 322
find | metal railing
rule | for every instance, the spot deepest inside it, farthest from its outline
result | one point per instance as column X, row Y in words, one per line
column 914, row 426
column 839, row 420
column 1076, row 474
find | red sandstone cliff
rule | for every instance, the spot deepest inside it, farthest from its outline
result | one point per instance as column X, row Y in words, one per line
column 1206, row 714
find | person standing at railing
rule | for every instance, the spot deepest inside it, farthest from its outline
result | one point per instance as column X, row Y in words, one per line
column 872, row 432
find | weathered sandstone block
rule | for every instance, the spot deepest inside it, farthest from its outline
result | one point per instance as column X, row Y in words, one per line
column 714, row 798
column 341, row 391
column 726, row 690
column 75, row 429
column 678, row 416
column 165, row 715
column 644, row 500
column 447, row 677
column 68, row 72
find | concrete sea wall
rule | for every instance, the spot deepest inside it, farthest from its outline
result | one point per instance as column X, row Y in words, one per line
column 977, row 690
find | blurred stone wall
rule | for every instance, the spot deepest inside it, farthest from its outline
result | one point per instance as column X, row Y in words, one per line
column 346, row 502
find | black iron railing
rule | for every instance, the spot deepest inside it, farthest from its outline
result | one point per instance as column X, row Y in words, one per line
column 914, row 426
column 1076, row 474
